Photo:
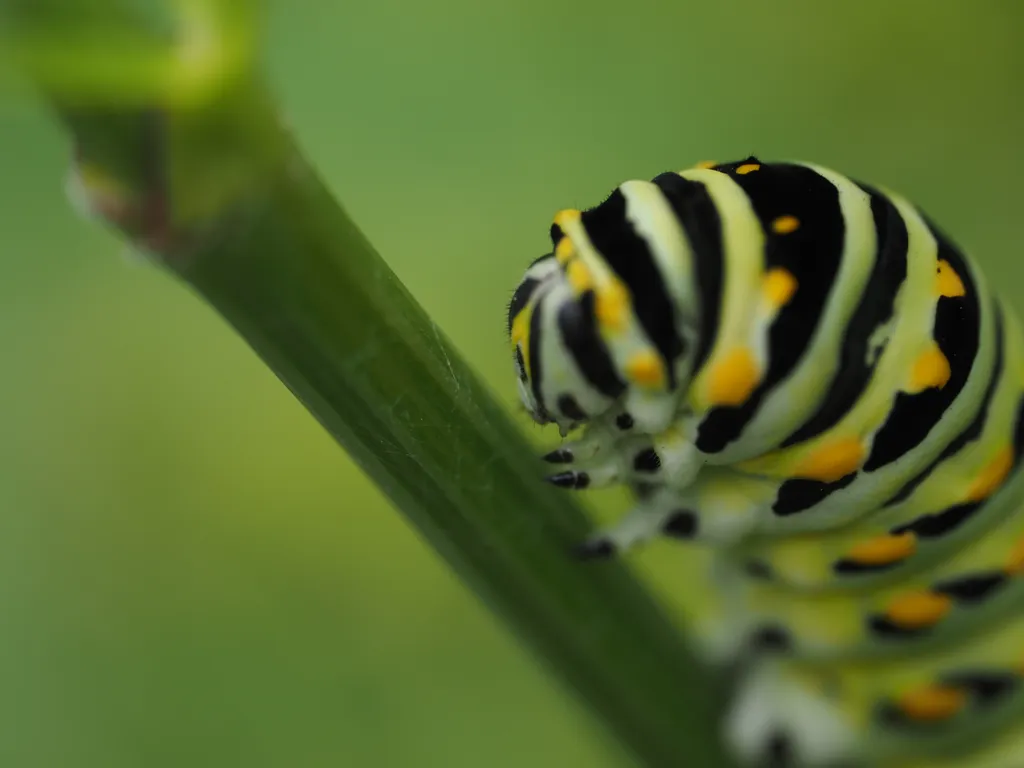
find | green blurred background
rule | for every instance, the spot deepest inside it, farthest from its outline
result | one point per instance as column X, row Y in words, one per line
column 191, row 573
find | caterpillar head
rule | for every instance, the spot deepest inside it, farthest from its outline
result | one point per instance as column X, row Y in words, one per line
column 546, row 383
column 581, row 353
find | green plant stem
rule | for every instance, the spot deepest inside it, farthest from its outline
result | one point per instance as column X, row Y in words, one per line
column 283, row 263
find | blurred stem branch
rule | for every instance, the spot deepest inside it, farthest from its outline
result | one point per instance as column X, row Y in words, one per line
column 219, row 194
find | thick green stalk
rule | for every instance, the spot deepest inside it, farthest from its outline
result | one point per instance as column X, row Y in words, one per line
column 221, row 196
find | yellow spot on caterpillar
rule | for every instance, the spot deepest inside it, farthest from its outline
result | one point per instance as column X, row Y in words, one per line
column 918, row 610
column 932, row 702
column 778, row 286
column 611, row 305
column 521, row 327
column 567, row 216
column 832, row 461
column 785, row 224
column 579, row 276
column 733, row 378
column 520, row 336
column 746, row 168
column 931, row 369
column 1015, row 565
column 646, row 369
column 948, row 282
column 706, row 164
column 884, row 550
column 564, row 251
column 992, row 476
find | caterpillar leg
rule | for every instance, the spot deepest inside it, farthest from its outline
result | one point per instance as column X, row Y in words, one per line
column 584, row 466
column 592, row 477
column 601, row 459
column 576, row 451
column 590, row 462
column 777, row 722
column 678, row 459
column 645, row 521
column 719, row 507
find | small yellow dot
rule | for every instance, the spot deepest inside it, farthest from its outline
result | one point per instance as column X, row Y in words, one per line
column 579, row 276
column 521, row 326
column 564, row 250
column 646, row 369
column 947, row 281
column 567, row 216
column 884, row 550
column 991, row 476
column 733, row 378
column 785, row 224
column 706, row 164
column 521, row 336
column 832, row 461
column 746, row 168
column 930, row 370
column 612, row 304
column 918, row 610
column 932, row 702
column 778, row 286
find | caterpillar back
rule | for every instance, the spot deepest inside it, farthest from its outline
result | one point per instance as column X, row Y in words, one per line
column 804, row 373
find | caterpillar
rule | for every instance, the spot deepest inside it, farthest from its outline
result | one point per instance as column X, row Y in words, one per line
column 802, row 373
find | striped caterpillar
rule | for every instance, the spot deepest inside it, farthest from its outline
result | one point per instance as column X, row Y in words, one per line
column 803, row 373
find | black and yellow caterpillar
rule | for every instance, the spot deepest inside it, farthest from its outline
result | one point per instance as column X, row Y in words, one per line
column 802, row 371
